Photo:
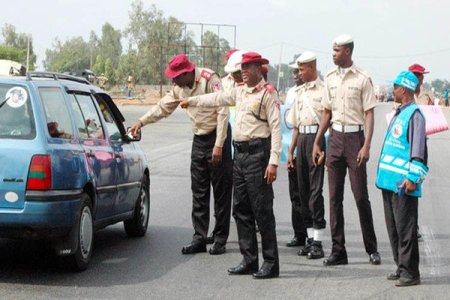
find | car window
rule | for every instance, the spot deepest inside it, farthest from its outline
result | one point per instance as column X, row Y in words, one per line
column 16, row 113
column 78, row 117
column 91, row 117
column 113, row 129
column 58, row 119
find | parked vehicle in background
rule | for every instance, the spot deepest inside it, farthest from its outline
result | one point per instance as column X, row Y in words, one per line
column 67, row 166
column 11, row 68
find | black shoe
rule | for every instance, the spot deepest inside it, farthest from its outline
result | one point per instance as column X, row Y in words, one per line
column 334, row 260
column 210, row 240
column 268, row 270
column 375, row 258
column 305, row 250
column 407, row 281
column 193, row 247
column 393, row 276
column 217, row 249
column 243, row 269
column 316, row 251
column 296, row 241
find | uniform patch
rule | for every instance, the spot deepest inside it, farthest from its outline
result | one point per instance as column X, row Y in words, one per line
column 270, row 88
column 17, row 96
column 216, row 86
column 397, row 131
column 207, row 75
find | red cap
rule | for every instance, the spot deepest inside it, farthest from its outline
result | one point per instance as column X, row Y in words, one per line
column 231, row 51
column 264, row 69
column 178, row 65
column 416, row 68
column 253, row 57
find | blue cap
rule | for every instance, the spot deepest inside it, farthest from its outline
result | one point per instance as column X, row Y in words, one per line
column 407, row 80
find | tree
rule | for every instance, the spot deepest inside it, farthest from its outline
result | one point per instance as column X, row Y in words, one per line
column 213, row 48
column 71, row 56
column 19, row 42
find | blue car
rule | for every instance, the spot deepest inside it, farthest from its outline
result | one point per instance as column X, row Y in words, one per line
column 67, row 165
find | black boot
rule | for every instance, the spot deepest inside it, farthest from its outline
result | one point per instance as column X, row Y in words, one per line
column 316, row 250
column 305, row 250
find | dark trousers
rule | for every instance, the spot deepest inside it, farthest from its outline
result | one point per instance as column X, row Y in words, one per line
column 310, row 182
column 253, row 201
column 297, row 209
column 203, row 175
column 342, row 154
column 401, row 222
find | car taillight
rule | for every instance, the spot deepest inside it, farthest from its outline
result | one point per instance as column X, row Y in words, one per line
column 40, row 173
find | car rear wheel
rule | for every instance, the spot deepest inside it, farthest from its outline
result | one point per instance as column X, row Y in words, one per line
column 84, row 236
column 137, row 225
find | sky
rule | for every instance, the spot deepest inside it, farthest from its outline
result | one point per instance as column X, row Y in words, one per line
column 389, row 35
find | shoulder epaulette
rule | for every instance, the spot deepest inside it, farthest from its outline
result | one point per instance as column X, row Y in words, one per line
column 270, row 88
column 241, row 83
column 207, row 74
column 361, row 71
column 331, row 72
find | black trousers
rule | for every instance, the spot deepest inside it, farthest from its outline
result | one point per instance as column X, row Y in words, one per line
column 297, row 209
column 401, row 223
column 342, row 154
column 203, row 176
column 253, row 201
column 310, row 182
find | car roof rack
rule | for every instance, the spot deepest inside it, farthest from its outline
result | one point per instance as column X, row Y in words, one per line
column 57, row 76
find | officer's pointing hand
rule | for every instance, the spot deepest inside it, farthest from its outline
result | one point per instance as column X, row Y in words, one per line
column 184, row 103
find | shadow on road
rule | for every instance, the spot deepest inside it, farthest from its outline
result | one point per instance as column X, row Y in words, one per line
column 117, row 259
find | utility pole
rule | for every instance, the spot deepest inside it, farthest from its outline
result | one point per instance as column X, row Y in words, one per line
column 28, row 52
column 279, row 67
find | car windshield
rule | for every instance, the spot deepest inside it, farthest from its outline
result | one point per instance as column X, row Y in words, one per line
column 16, row 113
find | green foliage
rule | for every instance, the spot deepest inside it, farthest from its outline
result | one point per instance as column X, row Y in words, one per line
column 14, row 46
column 71, row 56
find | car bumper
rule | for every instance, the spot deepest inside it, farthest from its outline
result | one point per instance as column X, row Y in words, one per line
column 44, row 215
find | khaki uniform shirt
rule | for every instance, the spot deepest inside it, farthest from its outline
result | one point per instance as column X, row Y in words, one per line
column 204, row 119
column 228, row 83
column 310, row 94
column 349, row 95
column 423, row 98
column 247, row 100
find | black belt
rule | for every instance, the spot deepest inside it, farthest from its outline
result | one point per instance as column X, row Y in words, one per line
column 252, row 146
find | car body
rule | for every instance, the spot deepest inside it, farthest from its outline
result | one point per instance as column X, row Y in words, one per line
column 67, row 166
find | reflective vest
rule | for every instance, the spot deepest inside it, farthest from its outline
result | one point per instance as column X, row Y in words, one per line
column 395, row 165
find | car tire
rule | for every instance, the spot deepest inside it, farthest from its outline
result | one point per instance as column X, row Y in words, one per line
column 84, row 235
column 137, row 225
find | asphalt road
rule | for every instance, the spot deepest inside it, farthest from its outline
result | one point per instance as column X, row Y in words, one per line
column 154, row 268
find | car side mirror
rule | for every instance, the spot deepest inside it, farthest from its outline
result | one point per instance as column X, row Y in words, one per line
column 132, row 138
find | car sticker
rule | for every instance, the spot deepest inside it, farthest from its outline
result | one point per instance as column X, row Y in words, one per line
column 11, row 197
column 17, row 96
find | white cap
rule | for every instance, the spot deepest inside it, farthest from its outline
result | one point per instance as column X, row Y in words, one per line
column 232, row 63
column 342, row 40
column 306, row 57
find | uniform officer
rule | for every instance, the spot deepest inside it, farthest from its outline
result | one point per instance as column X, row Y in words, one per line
column 349, row 103
column 297, row 210
column 211, row 162
column 228, row 81
column 257, row 146
column 234, row 71
column 305, row 114
column 401, row 170
column 420, row 95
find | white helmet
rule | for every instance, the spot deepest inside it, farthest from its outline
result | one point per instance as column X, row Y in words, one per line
column 232, row 63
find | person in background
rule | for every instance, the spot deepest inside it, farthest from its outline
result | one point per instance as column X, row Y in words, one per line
column 228, row 81
column 401, row 183
column 421, row 96
column 211, row 163
column 297, row 220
